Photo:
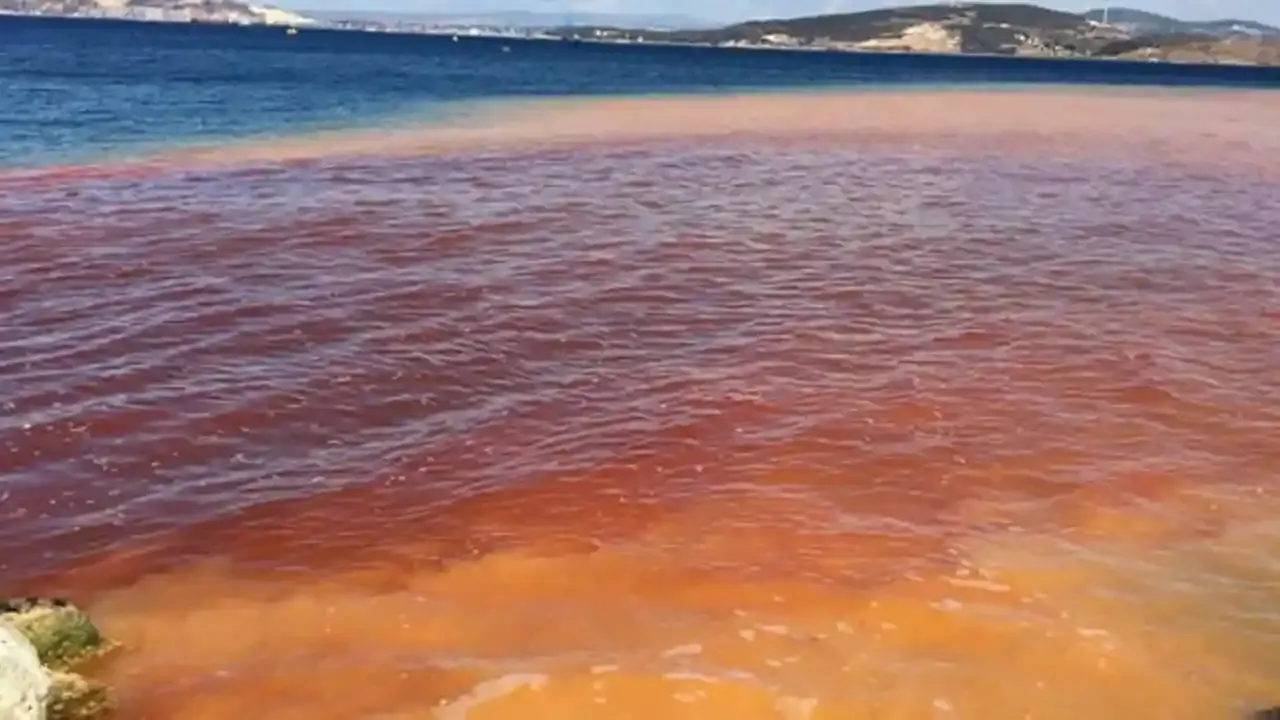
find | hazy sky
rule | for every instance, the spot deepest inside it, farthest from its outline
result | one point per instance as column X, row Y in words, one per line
column 1264, row 10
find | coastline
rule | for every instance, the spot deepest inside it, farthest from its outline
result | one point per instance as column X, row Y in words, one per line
column 451, row 33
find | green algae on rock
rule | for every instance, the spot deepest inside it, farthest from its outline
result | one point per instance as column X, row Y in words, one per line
column 62, row 634
column 63, row 637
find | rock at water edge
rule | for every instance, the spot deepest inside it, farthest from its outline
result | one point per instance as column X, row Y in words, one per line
column 63, row 635
column 24, row 683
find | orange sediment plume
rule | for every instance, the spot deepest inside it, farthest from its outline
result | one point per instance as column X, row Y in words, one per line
column 1113, row 614
column 810, row 407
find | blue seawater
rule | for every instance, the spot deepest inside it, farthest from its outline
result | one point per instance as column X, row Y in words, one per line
column 80, row 90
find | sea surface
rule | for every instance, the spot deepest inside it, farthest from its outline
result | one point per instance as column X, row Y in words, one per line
column 370, row 376
column 76, row 90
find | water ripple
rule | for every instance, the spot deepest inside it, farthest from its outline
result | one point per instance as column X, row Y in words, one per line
column 826, row 361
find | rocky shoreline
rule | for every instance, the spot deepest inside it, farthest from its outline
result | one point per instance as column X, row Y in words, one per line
column 44, row 643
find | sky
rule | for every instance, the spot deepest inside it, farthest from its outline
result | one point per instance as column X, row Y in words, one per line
column 732, row 10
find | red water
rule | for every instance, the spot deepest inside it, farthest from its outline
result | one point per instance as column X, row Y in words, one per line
column 769, row 407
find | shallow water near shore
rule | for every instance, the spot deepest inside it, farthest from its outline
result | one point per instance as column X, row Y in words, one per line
column 774, row 406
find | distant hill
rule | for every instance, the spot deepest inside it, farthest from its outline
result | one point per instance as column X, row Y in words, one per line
column 1141, row 22
column 213, row 11
column 978, row 28
column 972, row 28
column 1001, row 28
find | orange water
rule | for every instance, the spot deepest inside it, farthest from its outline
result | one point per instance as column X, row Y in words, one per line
column 953, row 405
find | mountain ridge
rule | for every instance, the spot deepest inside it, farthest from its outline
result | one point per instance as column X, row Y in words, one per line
column 969, row 28
column 1144, row 22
